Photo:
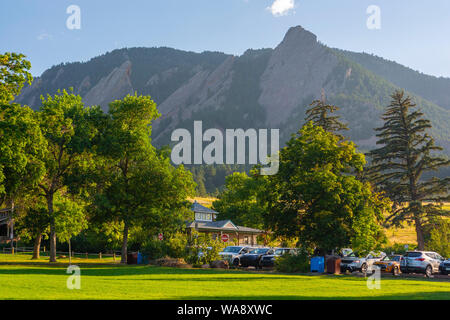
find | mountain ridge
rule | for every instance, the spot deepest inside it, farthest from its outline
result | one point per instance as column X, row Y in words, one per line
column 263, row 88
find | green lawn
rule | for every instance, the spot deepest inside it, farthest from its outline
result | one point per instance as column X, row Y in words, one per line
column 22, row 279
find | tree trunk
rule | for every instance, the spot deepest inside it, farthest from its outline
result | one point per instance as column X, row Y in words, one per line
column 52, row 228
column 123, row 258
column 37, row 247
column 419, row 233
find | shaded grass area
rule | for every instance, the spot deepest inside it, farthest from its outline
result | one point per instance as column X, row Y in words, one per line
column 22, row 280
column 26, row 258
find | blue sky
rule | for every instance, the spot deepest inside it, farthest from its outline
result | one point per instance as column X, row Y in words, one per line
column 413, row 32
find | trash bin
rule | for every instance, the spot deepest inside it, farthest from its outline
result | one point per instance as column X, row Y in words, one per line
column 317, row 264
column 132, row 258
column 139, row 258
column 334, row 265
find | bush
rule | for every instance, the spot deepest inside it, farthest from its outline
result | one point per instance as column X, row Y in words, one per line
column 290, row 263
column 399, row 248
column 203, row 243
column 174, row 247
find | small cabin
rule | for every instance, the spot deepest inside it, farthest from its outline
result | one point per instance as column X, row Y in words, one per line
column 6, row 225
column 204, row 221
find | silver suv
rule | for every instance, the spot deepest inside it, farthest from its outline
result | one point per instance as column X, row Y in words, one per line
column 232, row 254
column 353, row 262
column 426, row 262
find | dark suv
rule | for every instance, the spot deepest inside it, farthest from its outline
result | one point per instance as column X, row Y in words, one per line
column 253, row 258
column 268, row 260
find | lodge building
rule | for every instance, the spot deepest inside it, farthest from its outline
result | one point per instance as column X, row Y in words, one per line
column 6, row 225
column 204, row 221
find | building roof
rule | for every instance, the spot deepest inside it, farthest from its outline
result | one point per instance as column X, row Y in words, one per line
column 222, row 225
column 197, row 207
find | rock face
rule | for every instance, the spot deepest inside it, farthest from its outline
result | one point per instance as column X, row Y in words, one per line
column 297, row 70
column 115, row 86
column 267, row 88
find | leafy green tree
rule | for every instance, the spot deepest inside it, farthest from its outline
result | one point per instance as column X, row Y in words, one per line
column 69, row 133
column 13, row 75
column 437, row 236
column 140, row 182
column 407, row 152
column 316, row 198
column 22, row 147
column 70, row 217
column 320, row 115
column 33, row 222
column 21, row 140
column 240, row 200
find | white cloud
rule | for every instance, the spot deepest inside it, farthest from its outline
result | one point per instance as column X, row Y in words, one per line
column 281, row 7
column 44, row 36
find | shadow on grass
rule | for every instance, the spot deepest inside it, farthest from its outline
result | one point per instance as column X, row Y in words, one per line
column 384, row 296
column 105, row 270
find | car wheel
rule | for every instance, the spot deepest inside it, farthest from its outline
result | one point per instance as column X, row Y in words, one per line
column 364, row 268
column 236, row 262
column 428, row 271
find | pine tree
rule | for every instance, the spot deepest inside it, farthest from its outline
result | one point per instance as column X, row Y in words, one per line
column 319, row 114
column 407, row 152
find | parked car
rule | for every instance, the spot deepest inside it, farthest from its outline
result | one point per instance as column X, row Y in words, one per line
column 345, row 252
column 389, row 264
column 444, row 267
column 253, row 258
column 268, row 260
column 426, row 262
column 233, row 253
column 353, row 262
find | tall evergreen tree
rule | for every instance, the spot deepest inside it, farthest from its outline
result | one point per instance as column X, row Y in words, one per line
column 319, row 114
column 407, row 152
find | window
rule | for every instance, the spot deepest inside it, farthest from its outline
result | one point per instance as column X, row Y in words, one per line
column 246, row 240
column 203, row 216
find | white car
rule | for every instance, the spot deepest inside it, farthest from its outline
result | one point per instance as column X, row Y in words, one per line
column 426, row 262
column 353, row 262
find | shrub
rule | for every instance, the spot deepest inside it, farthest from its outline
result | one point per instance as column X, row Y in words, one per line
column 399, row 248
column 174, row 247
column 203, row 243
column 290, row 263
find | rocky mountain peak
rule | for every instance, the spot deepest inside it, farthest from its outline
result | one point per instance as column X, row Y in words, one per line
column 299, row 37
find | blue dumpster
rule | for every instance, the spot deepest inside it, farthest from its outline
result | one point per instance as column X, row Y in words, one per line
column 317, row 264
column 139, row 258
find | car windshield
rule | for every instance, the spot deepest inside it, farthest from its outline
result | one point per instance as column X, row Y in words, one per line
column 232, row 249
column 391, row 258
column 259, row 251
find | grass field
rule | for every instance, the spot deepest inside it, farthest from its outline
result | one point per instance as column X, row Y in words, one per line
column 21, row 278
